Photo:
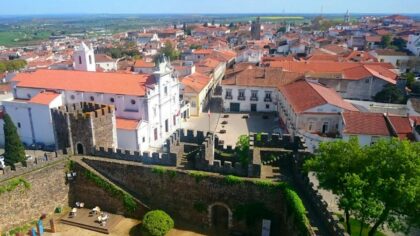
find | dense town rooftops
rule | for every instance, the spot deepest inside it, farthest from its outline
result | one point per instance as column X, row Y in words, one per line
column 95, row 82
column 304, row 95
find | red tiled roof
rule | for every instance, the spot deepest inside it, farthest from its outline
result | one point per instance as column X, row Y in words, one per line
column 103, row 58
column 303, row 95
column 143, row 64
column 127, row 124
column 97, row 82
column 44, row 98
column 203, row 51
column 402, row 126
column 365, row 123
column 195, row 83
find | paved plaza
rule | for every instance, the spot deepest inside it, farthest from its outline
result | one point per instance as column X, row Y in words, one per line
column 234, row 124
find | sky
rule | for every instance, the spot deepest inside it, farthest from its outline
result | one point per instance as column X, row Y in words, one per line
column 28, row 7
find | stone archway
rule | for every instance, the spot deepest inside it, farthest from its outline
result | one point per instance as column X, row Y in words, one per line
column 220, row 215
column 80, row 149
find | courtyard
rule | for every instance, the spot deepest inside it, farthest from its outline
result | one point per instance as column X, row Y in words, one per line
column 229, row 126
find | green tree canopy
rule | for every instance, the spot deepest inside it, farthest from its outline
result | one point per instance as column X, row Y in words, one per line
column 157, row 223
column 170, row 51
column 390, row 94
column 242, row 149
column 376, row 184
column 14, row 151
column 386, row 41
column 12, row 65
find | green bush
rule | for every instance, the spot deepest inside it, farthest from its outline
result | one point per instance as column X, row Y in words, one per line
column 198, row 175
column 13, row 184
column 129, row 203
column 157, row 223
column 232, row 180
column 297, row 210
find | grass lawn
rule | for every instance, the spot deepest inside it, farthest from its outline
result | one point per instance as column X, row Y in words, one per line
column 355, row 229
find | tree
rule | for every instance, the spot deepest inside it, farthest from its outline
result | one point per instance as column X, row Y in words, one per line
column 393, row 174
column 335, row 164
column 242, row 149
column 390, row 94
column 386, row 41
column 410, row 79
column 375, row 184
column 415, row 87
column 170, row 51
column 157, row 223
column 399, row 43
column 14, row 151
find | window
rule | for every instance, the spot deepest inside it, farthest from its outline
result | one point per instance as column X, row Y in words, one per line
column 174, row 120
column 112, row 100
column 92, row 98
column 267, row 97
column 241, row 94
column 166, row 125
column 143, row 139
column 367, row 81
column 155, row 134
column 90, row 59
column 310, row 126
column 72, row 97
column 228, row 94
column 165, row 90
column 80, row 60
column 28, row 95
column 133, row 101
column 254, row 95
column 267, row 106
column 18, row 125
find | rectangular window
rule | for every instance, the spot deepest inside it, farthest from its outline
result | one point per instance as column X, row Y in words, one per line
column 80, row 60
column 90, row 59
column 166, row 125
column 174, row 119
column 228, row 94
column 155, row 134
column 241, row 94
column 143, row 139
column 254, row 95
column 166, row 90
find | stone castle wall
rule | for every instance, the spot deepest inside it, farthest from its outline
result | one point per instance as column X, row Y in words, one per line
column 87, row 124
column 48, row 190
column 179, row 193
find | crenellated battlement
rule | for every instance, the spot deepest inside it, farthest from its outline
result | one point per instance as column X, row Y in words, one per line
column 84, row 110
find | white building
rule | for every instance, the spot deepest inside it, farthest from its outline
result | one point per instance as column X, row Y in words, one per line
column 84, row 58
column 105, row 63
column 146, row 105
column 413, row 44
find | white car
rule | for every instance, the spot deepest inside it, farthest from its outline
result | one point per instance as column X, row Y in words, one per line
column 2, row 164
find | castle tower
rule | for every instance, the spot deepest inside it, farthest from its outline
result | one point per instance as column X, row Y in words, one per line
column 84, row 58
column 347, row 17
column 256, row 29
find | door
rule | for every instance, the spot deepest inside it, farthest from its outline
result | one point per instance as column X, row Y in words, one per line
column 253, row 107
column 325, row 127
column 234, row 107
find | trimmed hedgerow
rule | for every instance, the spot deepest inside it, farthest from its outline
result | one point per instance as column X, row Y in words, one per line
column 130, row 204
column 157, row 223
column 232, row 180
column 13, row 184
column 198, row 175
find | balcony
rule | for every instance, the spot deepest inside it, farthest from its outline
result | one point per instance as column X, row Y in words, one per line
column 228, row 97
column 241, row 98
column 267, row 99
column 254, row 98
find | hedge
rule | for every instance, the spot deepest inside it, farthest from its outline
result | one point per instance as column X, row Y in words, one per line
column 157, row 223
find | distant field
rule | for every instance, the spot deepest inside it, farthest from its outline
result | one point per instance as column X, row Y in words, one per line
column 282, row 18
column 20, row 38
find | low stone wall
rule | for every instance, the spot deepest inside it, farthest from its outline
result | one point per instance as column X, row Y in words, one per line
column 329, row 219
column 191, row 195
column 164, row 159
column 48, row 190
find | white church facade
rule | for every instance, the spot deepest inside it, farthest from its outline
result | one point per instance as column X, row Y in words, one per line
column 147, row 107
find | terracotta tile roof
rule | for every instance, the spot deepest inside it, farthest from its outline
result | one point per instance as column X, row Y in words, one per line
column 349, row 70
column 253, row 76
column 195, row 83
column 365, row 123
column 103, row 58
column 375, row 39
column 202, row 51
column 127, row 124
column 402, row 127
column 303, row 95
column 360, row 56
column 323, row 57
column 143, row 64
column 44, row 98
column 115, row 83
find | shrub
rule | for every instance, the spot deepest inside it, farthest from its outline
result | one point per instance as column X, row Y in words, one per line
column 198, row 175
column 14, row 151
column 157, row 223
column 232, row 180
